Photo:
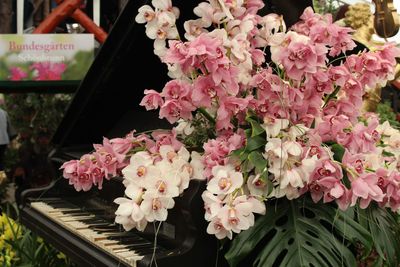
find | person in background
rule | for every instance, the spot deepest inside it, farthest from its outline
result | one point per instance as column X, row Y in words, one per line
column 4, row 140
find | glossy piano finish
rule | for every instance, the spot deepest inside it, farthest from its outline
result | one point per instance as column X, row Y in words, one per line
column 107, row 104
column 183, row 236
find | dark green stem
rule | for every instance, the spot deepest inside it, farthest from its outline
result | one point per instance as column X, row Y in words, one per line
column 206, row 114
column 331, row 96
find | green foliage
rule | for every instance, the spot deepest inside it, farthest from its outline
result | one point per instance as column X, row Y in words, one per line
column 250, row 156
column 35, row 118
column 386, row 113
column 299, row 233
column 21, row 247
column 37, row 112
column 384, row 228
column 257, row 159
column 3, row 73
column 78, row 66
column 338, row 151
column 201, row 133
column 254, row 143
column 31, row 250
column 326, row 6
column 256, row 128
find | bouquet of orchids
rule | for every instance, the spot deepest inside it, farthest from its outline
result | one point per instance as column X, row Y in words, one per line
column 262, row 113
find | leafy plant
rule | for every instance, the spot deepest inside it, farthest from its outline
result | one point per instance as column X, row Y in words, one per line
column 326, row 6
column 35, row 118
column 385, row 231
column 281, row 128
column 299, row 233
column 20, row 247
column 386, row 113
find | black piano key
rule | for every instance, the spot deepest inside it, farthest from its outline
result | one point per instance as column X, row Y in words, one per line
column 80, row 128
column 126, row 238
column 79, row 211
column 74, row 212
column 95, row 220
column 62, row 205
column 111, row 226
column 135, row 243
column 137, row 246
column 92, row 224
column 104, row 232
column 107, row 228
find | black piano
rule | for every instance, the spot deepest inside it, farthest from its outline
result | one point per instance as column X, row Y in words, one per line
column 80, row 224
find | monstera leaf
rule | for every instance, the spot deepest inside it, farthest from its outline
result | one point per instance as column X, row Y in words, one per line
column 385, row 232
column 299, row 233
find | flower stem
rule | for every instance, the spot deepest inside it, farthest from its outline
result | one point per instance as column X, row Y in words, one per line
column 206, row 114
column 331, row 96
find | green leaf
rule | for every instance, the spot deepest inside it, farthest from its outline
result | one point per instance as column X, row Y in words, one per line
column 247, row 133
column 385, row 231
column 257, row 159
column 344, row 222
column 298, row 233
column 255, row 142
column 256, row 128
column 338, row 151
column 38, row 250
column 270, row 185
column 240, row 153
column 312, row 124
column 387, row 154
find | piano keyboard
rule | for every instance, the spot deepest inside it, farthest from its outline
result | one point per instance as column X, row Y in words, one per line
column 126, row 246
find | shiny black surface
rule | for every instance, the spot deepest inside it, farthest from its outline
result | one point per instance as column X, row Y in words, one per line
column 107, row 104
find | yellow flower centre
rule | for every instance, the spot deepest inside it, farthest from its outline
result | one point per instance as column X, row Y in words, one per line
column 141, row 171
column 224, row 183
column 161, row 186
column 171, row 155
column 156, row 205
column 232, row 217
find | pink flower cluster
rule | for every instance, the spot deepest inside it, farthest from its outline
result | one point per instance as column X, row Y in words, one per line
column 111, row 157
column 301, row 97
column 106, row 162
column 217, row 151
column 321, row 30
column 40, row 71
column 280, row 127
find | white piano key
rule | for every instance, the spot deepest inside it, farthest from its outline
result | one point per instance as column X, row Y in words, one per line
column 129, row 254
column 117, row 247
column 72, row 223
column 107, row 242
column 78, row 225
column 120, row 249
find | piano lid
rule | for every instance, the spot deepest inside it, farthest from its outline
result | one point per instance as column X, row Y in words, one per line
column 107, row 100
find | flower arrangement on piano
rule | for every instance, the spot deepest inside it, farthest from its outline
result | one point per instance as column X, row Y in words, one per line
column 268, row 113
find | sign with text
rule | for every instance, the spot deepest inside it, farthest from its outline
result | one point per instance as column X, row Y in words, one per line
column 45, row 57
